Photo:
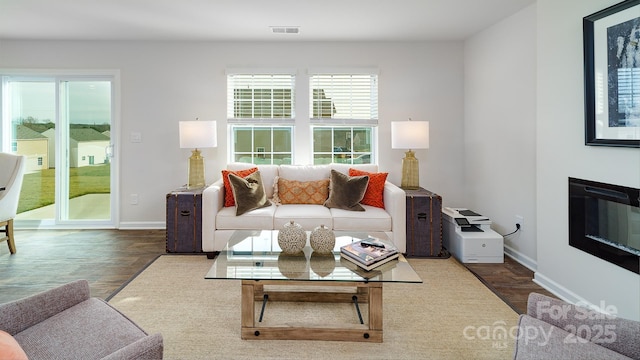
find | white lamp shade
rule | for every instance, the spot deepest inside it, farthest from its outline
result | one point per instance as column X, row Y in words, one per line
column 410, row 135
column 198, row 134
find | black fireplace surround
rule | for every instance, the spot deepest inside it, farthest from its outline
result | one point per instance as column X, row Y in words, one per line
column 604, row 221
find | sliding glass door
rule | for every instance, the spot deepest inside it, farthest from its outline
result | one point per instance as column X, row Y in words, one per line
column 63, row 126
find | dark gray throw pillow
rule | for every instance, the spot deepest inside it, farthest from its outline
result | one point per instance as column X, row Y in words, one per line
column 248, row 192
column 346, row 192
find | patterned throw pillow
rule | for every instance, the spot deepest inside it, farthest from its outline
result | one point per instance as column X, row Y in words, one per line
column 375, row 190
column 228, row 192
column 302, row 192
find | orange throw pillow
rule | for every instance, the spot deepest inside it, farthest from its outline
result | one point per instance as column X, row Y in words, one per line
column 229, row 200
column 9, row 347
column 375, row 190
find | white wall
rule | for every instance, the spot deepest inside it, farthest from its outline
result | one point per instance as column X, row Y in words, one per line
column 499, row 129
column 165, row 82
column 571, row 273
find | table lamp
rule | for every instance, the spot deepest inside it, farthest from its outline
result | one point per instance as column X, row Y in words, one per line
column 197, row 134
column 410, row 135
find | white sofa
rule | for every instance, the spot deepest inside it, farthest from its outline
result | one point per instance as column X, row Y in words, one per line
column 219, row 222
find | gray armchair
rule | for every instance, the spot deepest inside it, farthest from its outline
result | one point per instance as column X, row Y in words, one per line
column 66, row 323
column 554, row 329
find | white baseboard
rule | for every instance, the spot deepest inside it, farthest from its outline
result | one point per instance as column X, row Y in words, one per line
column 553, row 287
column 524, row 260
column 560, row 291
column 140, row 225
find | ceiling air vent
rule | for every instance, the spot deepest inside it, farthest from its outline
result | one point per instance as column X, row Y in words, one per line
column 285, row 29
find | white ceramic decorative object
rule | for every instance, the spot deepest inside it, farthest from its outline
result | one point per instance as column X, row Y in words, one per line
column 322, row 240
column 292, row 238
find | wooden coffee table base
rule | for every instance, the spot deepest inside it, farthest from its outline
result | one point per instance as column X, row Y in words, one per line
column 370, row 293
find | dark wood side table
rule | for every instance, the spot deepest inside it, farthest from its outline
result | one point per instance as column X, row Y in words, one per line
column 424, row 223
column 184, row 221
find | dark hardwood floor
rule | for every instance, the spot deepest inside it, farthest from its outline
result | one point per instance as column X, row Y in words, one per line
column 108, row 258
column 47, row 258
column 511, row 281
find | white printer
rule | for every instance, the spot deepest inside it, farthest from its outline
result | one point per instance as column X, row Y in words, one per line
column 469, row 238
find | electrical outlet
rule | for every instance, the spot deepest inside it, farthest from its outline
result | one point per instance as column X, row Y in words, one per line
column 133, row 199
column 520, row 220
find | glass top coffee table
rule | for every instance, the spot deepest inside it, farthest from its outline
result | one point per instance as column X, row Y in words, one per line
column 254, row 257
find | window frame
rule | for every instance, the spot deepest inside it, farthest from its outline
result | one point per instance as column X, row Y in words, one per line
column 350, row 88
column 281, row 111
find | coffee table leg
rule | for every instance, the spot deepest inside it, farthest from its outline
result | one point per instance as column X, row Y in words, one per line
column 375, row 308
column 248, row 309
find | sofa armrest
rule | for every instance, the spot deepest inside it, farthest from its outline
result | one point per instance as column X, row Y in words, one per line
column 212, row 202
column 617, row 334
column 538, row 340
column 19, row 315
column 149, row 347
column 395, row 202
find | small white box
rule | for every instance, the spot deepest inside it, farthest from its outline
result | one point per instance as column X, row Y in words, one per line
column 480, row 245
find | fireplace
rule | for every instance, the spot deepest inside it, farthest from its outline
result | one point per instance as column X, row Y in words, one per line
column 604, row 220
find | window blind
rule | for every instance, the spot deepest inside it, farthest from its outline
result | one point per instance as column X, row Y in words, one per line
column 344, row 99
column 260, row 98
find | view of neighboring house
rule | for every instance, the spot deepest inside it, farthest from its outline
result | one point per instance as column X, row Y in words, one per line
column 34, row 146
column 87, row 147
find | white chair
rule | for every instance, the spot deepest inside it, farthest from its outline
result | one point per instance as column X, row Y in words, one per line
column 11, row 174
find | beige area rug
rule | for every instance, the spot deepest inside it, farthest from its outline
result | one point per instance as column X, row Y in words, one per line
column 452, row 315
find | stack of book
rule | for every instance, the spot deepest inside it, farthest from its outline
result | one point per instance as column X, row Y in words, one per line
column 369, row 253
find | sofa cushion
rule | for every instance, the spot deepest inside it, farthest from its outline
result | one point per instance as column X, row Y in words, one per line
column 262, row 218
column 344, row 168
column 79, row 333
column 228, row 191
column 345, row 192
column 372, row 219
column 304, row 172
column 308, row 216
column 301, row 192
column 248, row 192
column 9, row 347
column 375, row 189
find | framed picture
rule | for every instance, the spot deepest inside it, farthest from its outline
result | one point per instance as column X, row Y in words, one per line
column 612, row 75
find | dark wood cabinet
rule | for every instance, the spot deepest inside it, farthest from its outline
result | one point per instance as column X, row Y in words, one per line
column 184, row 221
column 424, row 223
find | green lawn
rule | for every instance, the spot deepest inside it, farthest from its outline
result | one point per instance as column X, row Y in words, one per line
column 38, row 189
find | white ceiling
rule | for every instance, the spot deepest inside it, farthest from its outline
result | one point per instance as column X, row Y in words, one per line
column 250, row 20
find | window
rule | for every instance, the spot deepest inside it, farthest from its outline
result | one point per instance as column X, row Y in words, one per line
column 344, row 117
column 261, row 114
column 342, row 144
column 262, row 144
column 54, row 118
